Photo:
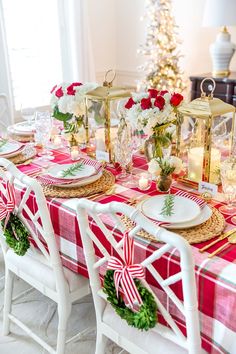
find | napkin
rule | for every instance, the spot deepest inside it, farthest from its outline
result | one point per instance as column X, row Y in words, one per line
column 8, row 154
column 195, row 199
column 51, row 180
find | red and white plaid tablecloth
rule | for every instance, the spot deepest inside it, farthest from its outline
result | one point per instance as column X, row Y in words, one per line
column 216, row 277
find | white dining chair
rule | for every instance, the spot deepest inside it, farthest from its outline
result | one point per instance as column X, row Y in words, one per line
column 160, row 339
column 41, row 266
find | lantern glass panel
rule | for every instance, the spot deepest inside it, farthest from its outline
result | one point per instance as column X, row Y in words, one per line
column 202, row 135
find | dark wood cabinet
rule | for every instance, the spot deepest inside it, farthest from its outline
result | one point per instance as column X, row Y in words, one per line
column 225, row 87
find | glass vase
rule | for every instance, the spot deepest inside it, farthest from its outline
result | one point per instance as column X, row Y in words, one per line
column 163, row 183
column 158, row 145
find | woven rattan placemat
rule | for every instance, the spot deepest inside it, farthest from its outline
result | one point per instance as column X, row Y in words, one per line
column 27, row 154
column 103, row 184
column 21, row 138
column 206, row 231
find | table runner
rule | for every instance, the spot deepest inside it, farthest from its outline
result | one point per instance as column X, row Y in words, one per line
column 216, row 277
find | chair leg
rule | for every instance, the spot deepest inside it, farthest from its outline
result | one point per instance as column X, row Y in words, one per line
column 100, row 343
column 9, row 277
column 63, row 315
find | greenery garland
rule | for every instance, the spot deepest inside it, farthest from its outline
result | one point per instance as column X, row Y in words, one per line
column 16, row 235
column 145, row 318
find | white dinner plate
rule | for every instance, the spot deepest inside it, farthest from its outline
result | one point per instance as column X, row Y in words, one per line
column 10, row 149
column 83, row 182
column 184, row 209
column 205, row 214
column 22, row 128
column 86, row 171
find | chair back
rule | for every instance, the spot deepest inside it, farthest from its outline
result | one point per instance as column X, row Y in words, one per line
column 101, row 227
column 32, row 210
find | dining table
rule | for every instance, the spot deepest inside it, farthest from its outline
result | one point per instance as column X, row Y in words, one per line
column 215, row 277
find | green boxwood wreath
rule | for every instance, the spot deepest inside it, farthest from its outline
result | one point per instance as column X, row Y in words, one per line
column 145, row 318
column 16, row 235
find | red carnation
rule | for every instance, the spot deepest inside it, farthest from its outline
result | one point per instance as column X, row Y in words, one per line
column 159, row 102
column 176, row 99
column 146, row 103
column 163, row 92
column 53, row 89
column 153, row 93
column 70, row 89
column 59, row 92
column 77, row 84
column 129, row 103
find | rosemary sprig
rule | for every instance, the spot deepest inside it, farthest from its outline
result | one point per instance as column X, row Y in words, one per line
column 3, row 142
column 72, row 170
column 167, row 209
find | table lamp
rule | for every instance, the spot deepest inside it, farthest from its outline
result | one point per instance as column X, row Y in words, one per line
column 221, row 13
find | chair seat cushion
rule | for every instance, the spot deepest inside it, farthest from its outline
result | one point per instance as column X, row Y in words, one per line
column 149, row 341
column 35, row 265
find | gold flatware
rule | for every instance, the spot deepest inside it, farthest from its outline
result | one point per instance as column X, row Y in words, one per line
column 221, row 237
column 231, row 239
column 28, row 162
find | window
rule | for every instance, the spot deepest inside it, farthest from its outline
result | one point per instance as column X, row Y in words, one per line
column 33, row 45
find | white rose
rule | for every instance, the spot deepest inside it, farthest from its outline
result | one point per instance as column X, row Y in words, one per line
column 177, row 163
column 153, row 167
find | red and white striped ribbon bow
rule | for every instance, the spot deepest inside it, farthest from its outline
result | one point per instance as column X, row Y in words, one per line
column 124, row 273
column 8, row 207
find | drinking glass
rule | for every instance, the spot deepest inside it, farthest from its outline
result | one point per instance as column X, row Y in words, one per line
column 123, row 155
column 28, row 114
column 228, row 179
column 43, row 127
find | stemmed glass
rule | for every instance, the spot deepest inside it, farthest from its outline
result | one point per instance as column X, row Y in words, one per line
column 28, row 113
column 123, row 155
column 43, row 127
column 228, row 179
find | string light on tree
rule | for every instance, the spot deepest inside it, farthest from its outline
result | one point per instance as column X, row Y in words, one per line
column 161, row 48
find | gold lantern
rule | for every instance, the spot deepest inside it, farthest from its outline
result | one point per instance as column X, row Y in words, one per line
column 205, row 132
column 102, row 106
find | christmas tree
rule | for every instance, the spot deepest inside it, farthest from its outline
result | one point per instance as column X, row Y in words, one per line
column 161, row 48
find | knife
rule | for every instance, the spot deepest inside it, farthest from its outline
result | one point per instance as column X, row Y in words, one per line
column 222, row 237
column 231, row 240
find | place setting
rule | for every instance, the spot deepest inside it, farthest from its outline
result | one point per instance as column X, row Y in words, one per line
column 183, row 213
column 15, row 151
column 82, row 178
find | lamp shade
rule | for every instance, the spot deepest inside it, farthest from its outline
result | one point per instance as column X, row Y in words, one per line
column 219, row 13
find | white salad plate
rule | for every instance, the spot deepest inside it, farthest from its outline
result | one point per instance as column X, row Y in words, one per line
column 205, row 214
column 82, row 182
column 22, row 128
column 184, row 209
column 10, row 149
column 57, row 170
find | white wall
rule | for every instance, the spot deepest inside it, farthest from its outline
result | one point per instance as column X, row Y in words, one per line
column 103, row 35
column 117, row 33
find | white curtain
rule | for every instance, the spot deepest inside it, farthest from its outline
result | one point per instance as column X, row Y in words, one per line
column 5, row 78
column 77, row 56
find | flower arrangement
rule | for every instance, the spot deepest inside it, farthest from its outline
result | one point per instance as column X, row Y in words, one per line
column 153, row 112
column 67, row 102
column 163, row 168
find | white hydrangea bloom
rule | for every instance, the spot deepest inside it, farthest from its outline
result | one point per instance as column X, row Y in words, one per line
column 177, row 163
column 138, row 96
column 154, row 168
